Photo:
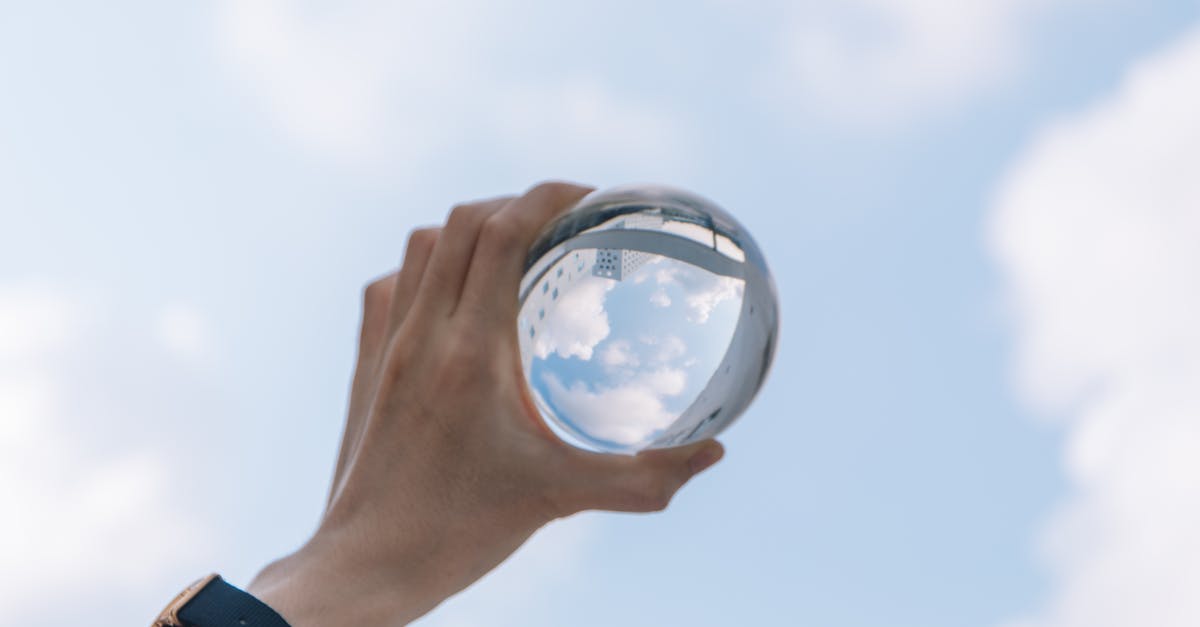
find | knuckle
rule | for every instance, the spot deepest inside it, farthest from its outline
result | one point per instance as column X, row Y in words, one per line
column 460, row 364
column 554, row 189
column 422, row 239
column 464, row 214
column 375, row 293
column 502, row 234
column 397, row 359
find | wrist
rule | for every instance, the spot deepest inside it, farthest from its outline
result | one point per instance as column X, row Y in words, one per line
column 312, row 590
column 386, row 574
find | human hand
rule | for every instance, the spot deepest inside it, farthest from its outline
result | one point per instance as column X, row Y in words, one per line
column 445, row 466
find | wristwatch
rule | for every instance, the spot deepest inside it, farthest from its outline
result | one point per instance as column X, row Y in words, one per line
column 211, row 602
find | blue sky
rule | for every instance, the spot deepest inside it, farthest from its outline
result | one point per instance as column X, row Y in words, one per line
column 614, row 363
column 979, row 218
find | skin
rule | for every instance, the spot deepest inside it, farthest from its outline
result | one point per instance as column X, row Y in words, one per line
column 445, row 467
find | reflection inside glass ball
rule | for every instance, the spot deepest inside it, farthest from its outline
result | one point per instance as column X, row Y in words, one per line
column 626, row 327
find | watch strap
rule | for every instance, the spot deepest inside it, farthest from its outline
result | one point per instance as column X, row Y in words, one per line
column 212, row 602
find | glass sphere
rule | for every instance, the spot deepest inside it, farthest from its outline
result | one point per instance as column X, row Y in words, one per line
column 648, row 319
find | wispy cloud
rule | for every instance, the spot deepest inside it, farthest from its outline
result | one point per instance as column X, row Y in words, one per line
column 401, row 83
column 625, row 413
column 77, row 510
column 882, row 62
column 703, row 290
column 583, row 118
column 354, row 81
column 619, row 354
column 183, row 331
column 1097, row 232
column 666, row 349
column 34, row 320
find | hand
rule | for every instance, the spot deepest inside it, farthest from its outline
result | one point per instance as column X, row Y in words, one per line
column 445, row 466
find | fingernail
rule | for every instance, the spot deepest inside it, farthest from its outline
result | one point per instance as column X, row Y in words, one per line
column 707, row 456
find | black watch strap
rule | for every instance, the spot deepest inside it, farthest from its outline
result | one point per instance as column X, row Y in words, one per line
column 220, row 604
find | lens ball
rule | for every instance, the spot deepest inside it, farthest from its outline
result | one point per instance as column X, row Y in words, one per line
column 648, row 319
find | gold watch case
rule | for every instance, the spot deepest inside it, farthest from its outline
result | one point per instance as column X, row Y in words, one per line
column 169, row 617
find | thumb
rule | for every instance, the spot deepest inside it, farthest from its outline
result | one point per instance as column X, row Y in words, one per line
column 645, row 482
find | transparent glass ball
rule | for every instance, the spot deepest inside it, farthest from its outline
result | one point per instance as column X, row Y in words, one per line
column 648, row 319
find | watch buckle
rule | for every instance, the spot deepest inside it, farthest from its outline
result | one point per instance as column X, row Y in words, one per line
column 169, row 617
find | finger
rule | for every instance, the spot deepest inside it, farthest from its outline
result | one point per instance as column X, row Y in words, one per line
column 499, row 260
column 645, row 482
column 377, row 298
column 386, row 315
column 442, row 283
column 417, row 252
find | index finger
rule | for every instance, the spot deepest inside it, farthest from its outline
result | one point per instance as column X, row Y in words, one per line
column 498, row 263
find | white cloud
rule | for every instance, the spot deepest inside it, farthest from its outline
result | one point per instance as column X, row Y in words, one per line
column 703, row 291
column 183, row 331
column 577, row 322
column 619, row 354
column 83, row 519
column 1098, row 232
column 562, row 122
column 625, row 361
column 702, row 301
column 33, row 320
column 668, row 348
column 380, row 82
column 354, row 80
column 870, row 62
column 659, row 298
column 628, row 413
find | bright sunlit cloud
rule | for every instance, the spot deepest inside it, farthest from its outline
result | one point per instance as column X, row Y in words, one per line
column 1098, row 232
column 578, row 322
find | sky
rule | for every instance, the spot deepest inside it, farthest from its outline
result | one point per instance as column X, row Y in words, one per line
column 981, row 218
column 618, row 362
